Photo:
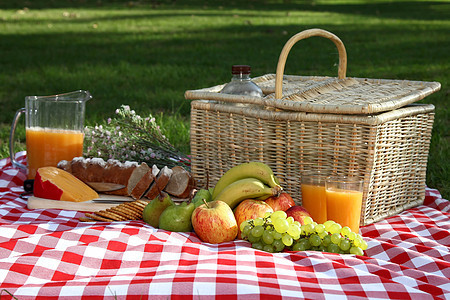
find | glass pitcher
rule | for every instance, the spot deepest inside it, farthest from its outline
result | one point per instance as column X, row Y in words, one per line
column 54, row 128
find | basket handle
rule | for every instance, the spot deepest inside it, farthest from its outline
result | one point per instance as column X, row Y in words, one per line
column 303, row 35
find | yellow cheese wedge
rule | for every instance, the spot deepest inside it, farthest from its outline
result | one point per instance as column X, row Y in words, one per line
column 56, row 184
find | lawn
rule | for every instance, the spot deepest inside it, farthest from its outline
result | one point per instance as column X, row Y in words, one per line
column 147, row 53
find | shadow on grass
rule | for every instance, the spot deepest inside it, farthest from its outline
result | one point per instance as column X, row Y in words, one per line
column 152, row 71
column 419, row 10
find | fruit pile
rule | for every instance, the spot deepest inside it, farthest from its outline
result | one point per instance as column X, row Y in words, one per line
column 248, row 202
column 276, row 231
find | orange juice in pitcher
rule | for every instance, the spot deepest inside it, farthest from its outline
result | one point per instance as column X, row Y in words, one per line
column 49, row 146
column 54, row 129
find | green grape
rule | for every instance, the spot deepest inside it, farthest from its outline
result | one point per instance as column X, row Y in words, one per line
column 323, row 234
column 306, row 245
column 279, row 214
column 296, row 237
column 269, row 248
column 253, row 239
column 267, row 237
column 335, row 228
column 298, row 247
column 363, row 245
column 322, row 248
column 315, row 240
column 307, row 220
column 333, row 248
column 247, row 230
column 258, row 221
column 335, row 238
column 267, row 214
column 290, row 220
column 281, row 225
column 297, row 223
column 328, row 224
column 243, row 224
column 294, row 230
column 278, row 245
column 345, row 231
column 326, row 240
column 344, row 245
column 257, row 245
column 319, row 228
column 351, row 236
column 357, row 241
column 277, row 235
column 307, row 228
column 287, row 239
column 356, row 251
column 257, row 231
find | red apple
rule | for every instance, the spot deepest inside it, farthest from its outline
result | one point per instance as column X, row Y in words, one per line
column 214, row 222
column 250, row 209
column 283, row 202
column 298, row 213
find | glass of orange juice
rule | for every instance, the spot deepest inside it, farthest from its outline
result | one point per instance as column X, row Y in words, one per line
column 54, row 129
column 313, row 195
column 344, row 200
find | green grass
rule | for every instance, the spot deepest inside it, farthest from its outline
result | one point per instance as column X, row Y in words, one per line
column 147, row 53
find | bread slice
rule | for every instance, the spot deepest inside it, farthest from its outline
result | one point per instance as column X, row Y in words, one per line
column 159, row 184
column 137, row 176
column 181, row 183
column 144, row 183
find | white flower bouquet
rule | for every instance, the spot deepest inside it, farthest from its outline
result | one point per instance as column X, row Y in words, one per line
column 129, row 137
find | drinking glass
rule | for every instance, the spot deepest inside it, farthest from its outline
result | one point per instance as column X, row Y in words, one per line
column 313, row 194
column 344, row 200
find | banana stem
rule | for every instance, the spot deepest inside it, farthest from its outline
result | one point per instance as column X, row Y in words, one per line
column 276, row 191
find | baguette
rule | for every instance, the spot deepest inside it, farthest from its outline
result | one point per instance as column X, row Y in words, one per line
column 139, row 180
column 97, row 170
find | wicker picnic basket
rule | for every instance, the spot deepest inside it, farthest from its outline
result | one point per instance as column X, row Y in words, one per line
column 361, row 127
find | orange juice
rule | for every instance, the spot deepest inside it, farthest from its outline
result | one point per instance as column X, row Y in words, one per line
column 344, row 207
column 314, row 201
column 46, row 147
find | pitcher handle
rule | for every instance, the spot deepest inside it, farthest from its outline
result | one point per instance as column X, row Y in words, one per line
column 12, row 155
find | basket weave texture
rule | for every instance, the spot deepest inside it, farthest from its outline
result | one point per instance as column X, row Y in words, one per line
column 349, row 126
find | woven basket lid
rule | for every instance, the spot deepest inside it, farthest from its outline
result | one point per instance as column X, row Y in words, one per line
column 338, row 95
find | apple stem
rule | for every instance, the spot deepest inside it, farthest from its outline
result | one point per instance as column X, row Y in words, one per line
column 206, row 203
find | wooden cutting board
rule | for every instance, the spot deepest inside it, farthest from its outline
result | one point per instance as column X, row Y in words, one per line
column 41, row 203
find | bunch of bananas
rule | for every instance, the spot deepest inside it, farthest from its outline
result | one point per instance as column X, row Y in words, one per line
column 251, row 180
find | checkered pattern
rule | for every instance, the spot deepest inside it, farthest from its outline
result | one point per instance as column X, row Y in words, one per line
column 49, row 254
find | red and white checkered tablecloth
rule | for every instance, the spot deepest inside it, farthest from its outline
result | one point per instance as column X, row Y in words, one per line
column 48, row 254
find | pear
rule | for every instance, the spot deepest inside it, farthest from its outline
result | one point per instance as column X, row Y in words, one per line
column 177, row 217
column 200, row 195
column 154, row 209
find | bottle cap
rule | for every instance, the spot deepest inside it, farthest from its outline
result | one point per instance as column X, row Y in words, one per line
column 240, row 69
